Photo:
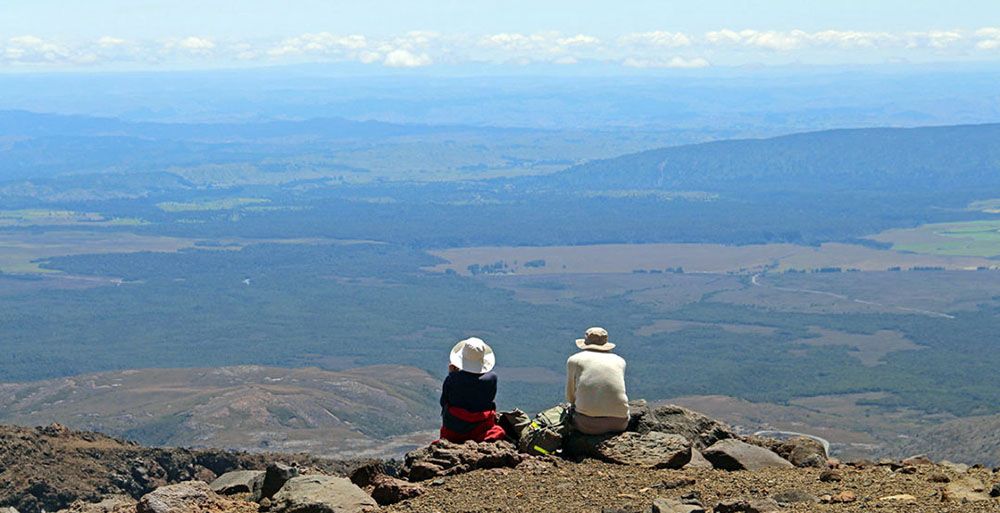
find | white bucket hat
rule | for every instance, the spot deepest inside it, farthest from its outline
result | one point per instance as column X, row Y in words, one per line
column 473, row 355
column 596, row 340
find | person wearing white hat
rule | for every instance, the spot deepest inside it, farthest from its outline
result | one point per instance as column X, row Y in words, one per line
column 468, row 396
column 595, row 386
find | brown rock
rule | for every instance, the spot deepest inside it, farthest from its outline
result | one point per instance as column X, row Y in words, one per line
column 445, row 458
column 389, row 490
column 747, row 506
column 939, row 477
column 844, row 497
column 831, row 476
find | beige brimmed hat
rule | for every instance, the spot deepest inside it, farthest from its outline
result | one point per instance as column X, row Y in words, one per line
column 596, row 340
column 473, row 355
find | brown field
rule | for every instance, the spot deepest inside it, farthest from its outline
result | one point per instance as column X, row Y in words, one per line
column 20, row 252
column 871, row 350
column 694, row 258
column 671, row 325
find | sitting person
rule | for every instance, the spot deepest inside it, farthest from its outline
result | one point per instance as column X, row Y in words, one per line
column 595, row 386
column 468, row 407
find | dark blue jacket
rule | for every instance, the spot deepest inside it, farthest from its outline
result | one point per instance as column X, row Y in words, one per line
column 472, row 392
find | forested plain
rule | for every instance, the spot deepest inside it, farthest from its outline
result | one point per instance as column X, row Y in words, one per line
column 348, row 286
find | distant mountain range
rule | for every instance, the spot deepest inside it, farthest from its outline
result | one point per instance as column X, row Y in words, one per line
column 871, row 159
column 366, row 412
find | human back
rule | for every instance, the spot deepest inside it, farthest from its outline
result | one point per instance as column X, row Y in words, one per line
column 597, row 380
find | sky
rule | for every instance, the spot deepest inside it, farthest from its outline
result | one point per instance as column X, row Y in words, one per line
column 53, row 35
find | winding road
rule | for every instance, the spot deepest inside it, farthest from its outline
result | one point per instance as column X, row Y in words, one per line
column 756, row 281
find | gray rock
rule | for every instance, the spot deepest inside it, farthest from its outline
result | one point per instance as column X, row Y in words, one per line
column 698, row 460
column 8, row 510
column 321, row 494
column 186, row 497
column 653, row 449
column 702, row 431
column 675, row 506
column 113, row 504
column 995, row 492
column 240, row 481
column 736, row 455
column 747, row 506
column 275, row 477
column 803, row 452
column 793, row 496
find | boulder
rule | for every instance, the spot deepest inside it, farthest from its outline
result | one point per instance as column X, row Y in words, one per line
column 803, row 452
column 698, row 460
column 374, row 479
column 389, row 490
column 652, row 449
column 113, row 504
column 190, row 497
column 321, row 494
column 240, row 482
column 275, row 477
column 731, row 454
column 831, row 476
column 965, row 489
column 747, row 506
column 444, row 458
column 675, row 506
column 702, row 431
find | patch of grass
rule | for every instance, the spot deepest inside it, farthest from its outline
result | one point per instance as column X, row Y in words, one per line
column 211, row 205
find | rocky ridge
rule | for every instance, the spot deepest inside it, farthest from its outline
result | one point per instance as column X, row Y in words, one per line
column 672, row 460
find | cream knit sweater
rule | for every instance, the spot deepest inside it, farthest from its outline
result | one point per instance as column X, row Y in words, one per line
column 595, row 384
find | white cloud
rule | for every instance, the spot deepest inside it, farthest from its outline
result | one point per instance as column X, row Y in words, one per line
column 989, row 38
column 674, row 62
column 110, row 42
column 578, row 40
column 196, row 43
column 786, row 41
column 653, row 49
column 404, row 59
column 657, row 38
column 323, row 43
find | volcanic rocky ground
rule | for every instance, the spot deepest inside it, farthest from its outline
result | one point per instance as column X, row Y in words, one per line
column 672, row 460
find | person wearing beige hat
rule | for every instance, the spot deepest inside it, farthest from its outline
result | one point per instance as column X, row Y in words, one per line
column 595, row 386
column 468, row 396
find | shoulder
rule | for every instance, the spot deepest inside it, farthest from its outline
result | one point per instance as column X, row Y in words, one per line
column 489, row 376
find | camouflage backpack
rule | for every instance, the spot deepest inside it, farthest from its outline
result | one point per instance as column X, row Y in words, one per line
column 544, row 435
